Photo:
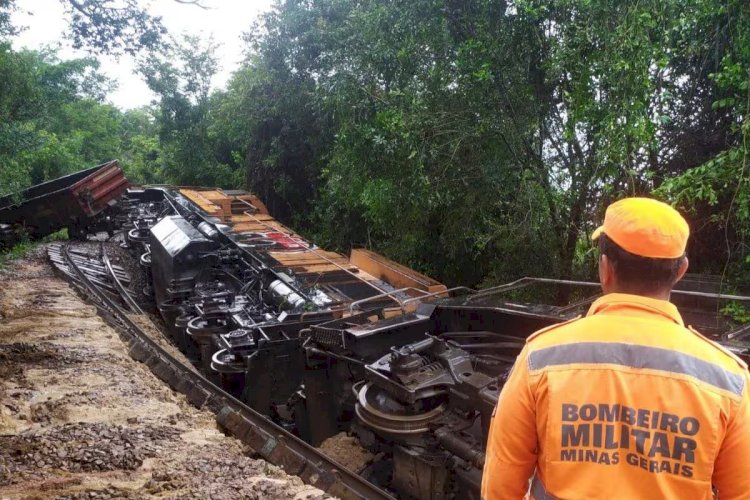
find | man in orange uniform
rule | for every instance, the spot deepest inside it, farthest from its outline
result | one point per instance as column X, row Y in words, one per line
column 627, row 402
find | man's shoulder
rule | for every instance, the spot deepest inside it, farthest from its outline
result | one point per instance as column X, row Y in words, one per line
column 538, row 336
column 718, row 351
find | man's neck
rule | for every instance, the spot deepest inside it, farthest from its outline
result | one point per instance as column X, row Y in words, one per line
column 664, row 295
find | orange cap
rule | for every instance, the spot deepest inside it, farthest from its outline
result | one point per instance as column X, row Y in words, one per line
column 645, row 227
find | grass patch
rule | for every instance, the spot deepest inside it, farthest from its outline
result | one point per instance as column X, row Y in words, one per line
column 25, row 246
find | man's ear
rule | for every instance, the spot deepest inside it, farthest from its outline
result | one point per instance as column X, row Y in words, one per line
column 682, row 269
column 606, row 274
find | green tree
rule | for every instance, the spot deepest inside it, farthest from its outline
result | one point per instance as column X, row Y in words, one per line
column 140, row 152
column 106, row 26
column 181, row 75
column 52, row 118
column 480, row 140
column 716, row 190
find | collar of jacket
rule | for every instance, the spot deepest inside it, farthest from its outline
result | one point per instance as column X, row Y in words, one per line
column 627, row 304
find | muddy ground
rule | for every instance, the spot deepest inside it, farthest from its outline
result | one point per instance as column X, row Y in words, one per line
column 80, row 419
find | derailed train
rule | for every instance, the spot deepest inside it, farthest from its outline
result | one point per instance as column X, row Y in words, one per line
column 323, row 344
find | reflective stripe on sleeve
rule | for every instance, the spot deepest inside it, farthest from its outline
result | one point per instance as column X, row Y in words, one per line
column 637, row 356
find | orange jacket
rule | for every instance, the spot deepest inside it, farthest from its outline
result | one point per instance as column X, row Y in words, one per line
column 625, row 403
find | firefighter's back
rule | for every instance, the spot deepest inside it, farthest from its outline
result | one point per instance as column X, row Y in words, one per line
column 631, row 404
column 627, row 402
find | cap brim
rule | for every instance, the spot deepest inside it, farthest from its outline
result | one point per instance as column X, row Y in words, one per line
column 597, row 232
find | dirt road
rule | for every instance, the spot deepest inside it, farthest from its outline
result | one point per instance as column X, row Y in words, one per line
column 81, row 419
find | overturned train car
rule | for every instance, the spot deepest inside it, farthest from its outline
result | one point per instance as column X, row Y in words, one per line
column 83, row 202
column 321, row 343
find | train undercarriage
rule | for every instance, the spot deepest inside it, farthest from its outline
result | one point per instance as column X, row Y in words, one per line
column 322, row 344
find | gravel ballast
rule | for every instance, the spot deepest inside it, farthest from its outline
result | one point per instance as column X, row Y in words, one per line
column 80, row 419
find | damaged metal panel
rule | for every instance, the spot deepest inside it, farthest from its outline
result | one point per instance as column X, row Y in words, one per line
column 74, row 201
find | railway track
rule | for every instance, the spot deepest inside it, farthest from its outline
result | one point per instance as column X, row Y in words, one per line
column 274, row 334
column 90, row 271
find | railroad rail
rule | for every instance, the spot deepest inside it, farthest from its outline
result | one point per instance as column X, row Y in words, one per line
column 290, row 345
column 94, row 276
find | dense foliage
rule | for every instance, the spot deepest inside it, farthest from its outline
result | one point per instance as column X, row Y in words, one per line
column 477, row 140
column 52, row 117
column 480, row 140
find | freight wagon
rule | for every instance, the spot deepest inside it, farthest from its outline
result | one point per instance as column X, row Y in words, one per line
column 319, row 343
column 74, row 201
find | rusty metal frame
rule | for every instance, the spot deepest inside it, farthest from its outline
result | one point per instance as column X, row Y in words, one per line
column 269, row 440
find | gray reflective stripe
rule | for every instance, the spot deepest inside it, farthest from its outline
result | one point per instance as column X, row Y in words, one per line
column 637, row 356
column 539, row 491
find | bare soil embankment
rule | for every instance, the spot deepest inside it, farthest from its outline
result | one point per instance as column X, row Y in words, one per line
column 80, row 419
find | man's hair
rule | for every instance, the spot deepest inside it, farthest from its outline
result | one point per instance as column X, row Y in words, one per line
column 640, row 275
